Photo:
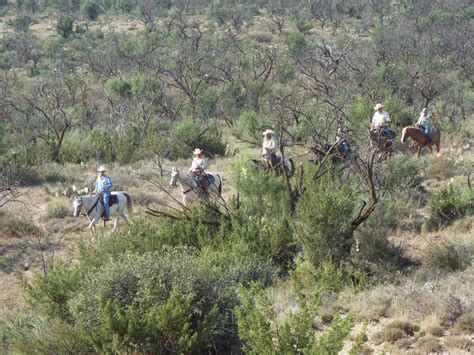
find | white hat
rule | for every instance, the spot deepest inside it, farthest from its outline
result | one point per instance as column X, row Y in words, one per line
column 268, row 131
column 425, row 109
column 378, row 106
column 197, row 151
column 101, row 168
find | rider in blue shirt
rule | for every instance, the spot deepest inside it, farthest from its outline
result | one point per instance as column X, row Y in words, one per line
column 103, row 186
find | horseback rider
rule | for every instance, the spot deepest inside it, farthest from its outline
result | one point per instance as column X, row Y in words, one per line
column 198, row 165
column 380, row 122
column 425, row 123
column 103, row 186
column 269, row 148
column 342, row 140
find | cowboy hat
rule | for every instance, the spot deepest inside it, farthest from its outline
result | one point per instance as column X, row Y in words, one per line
column 425, row 109
column 101, row 168
column 378, row 106
column 268, row 131
column 197, row 151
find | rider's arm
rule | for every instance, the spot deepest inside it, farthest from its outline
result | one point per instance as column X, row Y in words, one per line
column 107, row 184
column 203, row 164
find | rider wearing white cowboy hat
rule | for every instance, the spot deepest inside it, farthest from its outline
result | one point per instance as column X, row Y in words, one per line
column 103, row 186
column 199, row 163
column 269, row 144
column 381, row 118
column 198, row 166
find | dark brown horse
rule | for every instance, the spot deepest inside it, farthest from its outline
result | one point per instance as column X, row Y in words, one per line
column 419, row 139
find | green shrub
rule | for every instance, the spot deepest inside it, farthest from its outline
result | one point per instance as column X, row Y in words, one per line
column 450, row 204
column 58, row 210
column 53, row 337
column 261, row 333
column 174, row 281
column 166, row 326
column 90, row 10
column 325, row 212
column 260, row 217
column 64, row 26
column 50, row 294
column 296, row 42
column 445, row 258
column 239, row 263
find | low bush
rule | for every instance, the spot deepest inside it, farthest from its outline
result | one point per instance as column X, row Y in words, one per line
column 451, row 309
column 395, row 331
column 428, row 344
column 435, row 330
column 16, row 226
column 443, row 258
column 58, row 210
column 458, row 342
column 464, row 324
column 450, row 204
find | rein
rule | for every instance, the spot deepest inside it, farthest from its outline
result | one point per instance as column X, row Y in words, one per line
column 93, row 206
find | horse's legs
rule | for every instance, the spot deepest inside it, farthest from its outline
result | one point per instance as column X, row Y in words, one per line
column 116, row 223
column 92, row 226
column 418, row 150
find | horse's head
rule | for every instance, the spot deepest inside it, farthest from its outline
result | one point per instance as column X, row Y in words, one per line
column 404, row 135
column 77, row 204
column 174, row 177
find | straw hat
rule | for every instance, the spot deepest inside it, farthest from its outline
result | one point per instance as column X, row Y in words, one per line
column 378, row 106
column 101, row 168
column 197, row 151
column 268, row 131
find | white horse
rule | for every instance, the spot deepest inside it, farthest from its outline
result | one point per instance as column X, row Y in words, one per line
column 189, row 192
column 94, row 209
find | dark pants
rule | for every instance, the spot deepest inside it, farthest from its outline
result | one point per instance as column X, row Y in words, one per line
column 346, row 150
column 425, row 130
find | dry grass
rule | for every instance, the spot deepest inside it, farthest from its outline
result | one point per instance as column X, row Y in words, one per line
column 428, row 344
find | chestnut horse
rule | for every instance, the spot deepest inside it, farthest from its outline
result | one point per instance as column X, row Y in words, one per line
column 419, row 139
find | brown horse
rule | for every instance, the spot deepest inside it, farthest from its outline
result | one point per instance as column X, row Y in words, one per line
column 419, row 139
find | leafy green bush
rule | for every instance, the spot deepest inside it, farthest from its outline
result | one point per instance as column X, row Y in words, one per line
column 90, row 10
column 260, row 216
column 261, row 333
column 64, row 26
column 449, row 204
column 50, row 294
column 296, row 42
column 325, row 212
column 122, row 298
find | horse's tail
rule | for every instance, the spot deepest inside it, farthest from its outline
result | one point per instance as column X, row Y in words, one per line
column 292, row 167
column 129, row 204
column 219, row 188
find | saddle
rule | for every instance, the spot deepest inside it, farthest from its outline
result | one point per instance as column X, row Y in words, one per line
column 203, row 181
column 113, row 199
